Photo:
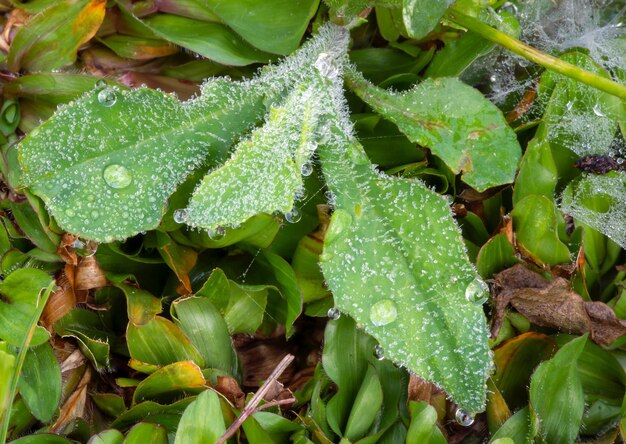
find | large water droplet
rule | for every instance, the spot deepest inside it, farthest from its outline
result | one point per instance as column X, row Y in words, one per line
column 463, row 418
column 307, row 169
column 101, row 84
column 339, row 223
column 117, row 176
column 180, row 216
column 107, row 97
column 334, row 313
column 293, row 216
column 383, row 312
column 477, row 292
column 216, row 233
column 379, row 352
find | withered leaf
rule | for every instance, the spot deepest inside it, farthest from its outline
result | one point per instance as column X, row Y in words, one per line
column 555, row 305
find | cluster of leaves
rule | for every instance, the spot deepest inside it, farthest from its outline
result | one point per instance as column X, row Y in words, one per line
column 186, row 238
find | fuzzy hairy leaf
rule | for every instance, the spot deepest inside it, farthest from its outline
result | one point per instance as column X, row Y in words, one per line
column 456, row 122
column 279, row 150
column 397, row 240
column 108, row 151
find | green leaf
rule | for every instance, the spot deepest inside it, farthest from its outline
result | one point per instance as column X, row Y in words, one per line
column 42, row 438
column 521, row 428
column 110, row 436
column 205, row 327
column 50, row 40
column 211, row 40
column 89, row 186
column 202, row 420
column 40, row 382
column 145, row 432
column 421, row 16
column 456, row 122
column 280, row 149
column 159, row 341
column 171, row 381
column 423, row 428
column 598, row 201
column 366, row 406
column 7, row 368
column 166, row 415
column 275, row 27
column 535, row 223
column 554, row 385
column 19, row 295
column 397, row 238
column 93, row 338
column 495, row 255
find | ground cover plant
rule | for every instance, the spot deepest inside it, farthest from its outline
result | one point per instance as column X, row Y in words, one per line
column 293, row 221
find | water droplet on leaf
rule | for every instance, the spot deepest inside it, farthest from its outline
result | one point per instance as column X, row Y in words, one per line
column 107, row 97
column 334, row 313
column 477, row 292
column 117, row 176
column 379, row 352
column 101, row 84
column 383, row 312
column 326, row 65
column 307, row 169
column 293, row 216
column 180, row 216
column 216, row 233
column 70, row 213
column 463, row 418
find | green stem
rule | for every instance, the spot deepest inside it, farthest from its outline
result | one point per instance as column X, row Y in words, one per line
column 5, row 417
column 534, row 55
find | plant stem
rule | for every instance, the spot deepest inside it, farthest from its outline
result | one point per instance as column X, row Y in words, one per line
column 534, row 55
column 5, row 416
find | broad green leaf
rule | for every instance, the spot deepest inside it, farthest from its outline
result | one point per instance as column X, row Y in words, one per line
column 535, row 224
column 19, row 296
column 397, row 239
column 108, row 151
column 423, row 428
column 202, row 420
column 139, row 48
column 159, row 341
column 421, row 16
column 211, row 40
column 207, row 330
column 171, row 381
column 598, row 201
column 495, row 255
column 279, row 150
column 554, row 386
column 40, row 382
column 145, row 432
column 456, row 122
column 109, row 436
column 141, row 306
column 109, row 403
column 7, row 368
column 275, row 27
column 179, row 258
column 50, row 40
column 42, row 438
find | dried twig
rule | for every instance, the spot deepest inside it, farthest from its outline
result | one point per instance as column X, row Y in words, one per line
column 257, row 398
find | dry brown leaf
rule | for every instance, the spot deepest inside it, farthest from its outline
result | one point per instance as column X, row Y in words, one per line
column 229, row 387
column 89, row 275
column 74, row 407
column 554, row 304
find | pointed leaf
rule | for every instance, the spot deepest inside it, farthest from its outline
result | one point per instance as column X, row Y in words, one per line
column 40, row 382
column 170, row 381
column 202, row 420
column 279, row 150
column 556, row 394
column 108, row 151
column 397, row 239
column 456, row 122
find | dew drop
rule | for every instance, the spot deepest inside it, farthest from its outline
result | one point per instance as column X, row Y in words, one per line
column 326, row 65
column 293, row 216
column 334, row 313
column 117, row 176
column 597, row 111
column 379, row 353
column 101, row 84
column 569, row 105
column 300, row 194
column 78, row 244
column 216, row 233
column 330, row 198
column 107, row 97
column 383, row 312
column 70, row 213
column 463, row 418
column 477, row 292
column 339, row 223
column 307, row 169
column 180, row 216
